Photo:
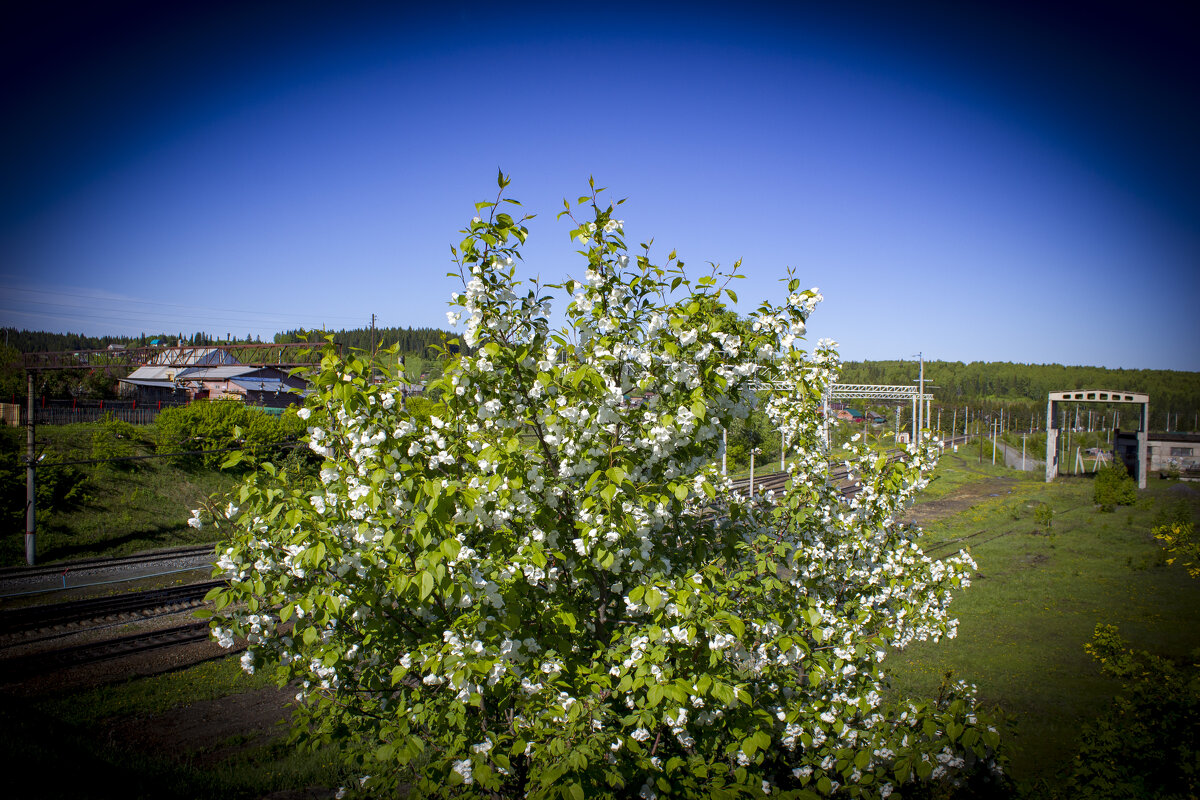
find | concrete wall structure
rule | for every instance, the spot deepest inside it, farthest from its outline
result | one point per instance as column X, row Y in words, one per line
column 1175, row 451
column 1098, row 396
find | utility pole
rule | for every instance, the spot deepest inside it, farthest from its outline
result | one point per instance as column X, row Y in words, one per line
column 30, row 479
column 1067, row 452
column 372, row 380
column 920, row 424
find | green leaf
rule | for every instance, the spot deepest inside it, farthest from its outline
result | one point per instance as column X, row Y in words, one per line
column 426, row 585
column 654, row 695
column 450, row 548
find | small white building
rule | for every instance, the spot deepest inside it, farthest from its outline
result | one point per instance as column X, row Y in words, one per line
column 1175, row 451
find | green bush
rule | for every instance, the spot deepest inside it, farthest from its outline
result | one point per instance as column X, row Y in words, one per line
column 221, row 425
column 57, row 486
column 1145, row 744
column 1114, row 487
column 114, row 439
column 1043, row 515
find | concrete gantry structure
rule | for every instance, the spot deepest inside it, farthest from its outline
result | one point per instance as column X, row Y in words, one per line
column 1097, row 396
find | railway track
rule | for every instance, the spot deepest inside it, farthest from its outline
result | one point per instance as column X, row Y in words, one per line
column 192, row 555
column 22, row 625
column 94, row 652
column 777, row 481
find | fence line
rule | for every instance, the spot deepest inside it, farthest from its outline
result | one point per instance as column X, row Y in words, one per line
column 66, row 413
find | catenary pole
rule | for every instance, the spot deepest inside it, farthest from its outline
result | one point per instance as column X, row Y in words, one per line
column 30, row 480
column 921, row 394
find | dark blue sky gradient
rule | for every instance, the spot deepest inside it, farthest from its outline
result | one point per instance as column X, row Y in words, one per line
column 1015, row 183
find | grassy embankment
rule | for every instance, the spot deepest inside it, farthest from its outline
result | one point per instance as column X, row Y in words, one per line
column 88, row 731
column 116, row 509
column 1038, row 595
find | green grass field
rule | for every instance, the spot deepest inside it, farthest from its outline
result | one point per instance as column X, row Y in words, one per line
column 116, row 510
column 1037, row 597
column 69, row 746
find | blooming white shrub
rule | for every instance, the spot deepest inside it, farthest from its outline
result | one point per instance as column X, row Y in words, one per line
column 548, row 589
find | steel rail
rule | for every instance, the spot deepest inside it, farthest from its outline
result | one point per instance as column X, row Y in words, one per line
column 79, row 655
column 154, row 601
column 99, row 564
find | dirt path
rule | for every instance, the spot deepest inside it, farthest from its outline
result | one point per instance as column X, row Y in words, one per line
column 963, row 498
column 207, row 732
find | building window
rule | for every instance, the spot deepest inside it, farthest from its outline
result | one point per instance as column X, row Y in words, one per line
column 1181, row 451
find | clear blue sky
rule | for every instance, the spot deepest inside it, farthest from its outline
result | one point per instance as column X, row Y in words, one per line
column 1015, row 183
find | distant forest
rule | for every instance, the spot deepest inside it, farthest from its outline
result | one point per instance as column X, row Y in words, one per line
column 24, row 341
column 418, row 341
column 1021, row 389
column 411, row 340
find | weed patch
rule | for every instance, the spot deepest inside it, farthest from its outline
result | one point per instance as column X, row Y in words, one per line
column 1037, row 598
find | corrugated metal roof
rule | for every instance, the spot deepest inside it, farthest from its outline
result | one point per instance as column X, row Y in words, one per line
column 215, row 373
column 184, row 361
column 151, row 373
column 262, row 384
